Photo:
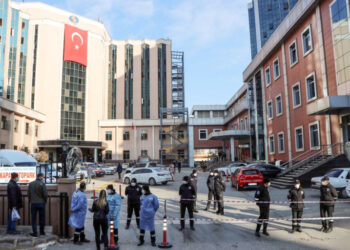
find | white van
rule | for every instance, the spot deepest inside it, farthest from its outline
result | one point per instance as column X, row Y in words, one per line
column 19, row 162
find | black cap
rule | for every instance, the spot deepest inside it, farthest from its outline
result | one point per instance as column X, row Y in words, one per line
column 185, row 178
column 82, row 185
column 297, row 181
column 266, row 180
column 325, row 178
column 110, row 186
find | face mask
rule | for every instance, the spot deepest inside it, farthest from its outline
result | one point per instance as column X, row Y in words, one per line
column 133, row 184
column 216, row 174
column 324, row 183
column 109, row 191
column 268, row 184
column 143, row 191
column 297, row 186
column 184, row 182
column 16, row 179
column 211, row 174
column 194, row 174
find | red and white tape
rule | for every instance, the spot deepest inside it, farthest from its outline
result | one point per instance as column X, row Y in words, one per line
column 255, row 219
column 270, row 202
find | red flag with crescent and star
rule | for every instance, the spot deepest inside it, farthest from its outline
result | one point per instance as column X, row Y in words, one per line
column 75, row 45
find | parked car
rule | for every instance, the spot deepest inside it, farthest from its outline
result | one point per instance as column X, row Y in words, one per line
column 81, row 174
column 109, row 170
column 267, row 170
column 338, row 178
column 145, row 165
column 230, row 168
column 246, row 178
column 125, row 165
column 50, row 172
column 151, row 176
column 99, row 172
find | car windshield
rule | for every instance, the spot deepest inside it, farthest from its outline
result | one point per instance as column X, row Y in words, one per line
column 250, row 172
column 334, row 173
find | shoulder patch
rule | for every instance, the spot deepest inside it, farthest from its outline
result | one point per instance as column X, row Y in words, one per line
column 189, row 187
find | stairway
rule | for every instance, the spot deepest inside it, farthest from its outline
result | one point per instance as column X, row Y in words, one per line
column 299, row 166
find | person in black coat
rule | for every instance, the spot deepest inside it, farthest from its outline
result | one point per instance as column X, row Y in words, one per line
column 119, row 170
column 14, row 195
column 262, row 198
column 328, row 197
column 134, row 192
column 100, row 209
column 296, row 197
column 188, row 194
column 194, row 180
column 210, row 185
column 219, row 189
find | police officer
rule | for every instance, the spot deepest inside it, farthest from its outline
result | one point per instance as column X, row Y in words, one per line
column 262, row 198
column 188, row 194
column 134, row 192
column 219, row 189
column 328, row 197
column 296, row 197
column 193, row 180
column 210, row 185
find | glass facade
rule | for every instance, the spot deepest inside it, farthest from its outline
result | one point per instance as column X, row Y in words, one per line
column 22, row 62
column 341, row 39
column 270, row 14
column 128, row 108
column 3, row 16
column 12, row 55
column 112, row 79
column 162, row 77
column 145, row 88
column 34, row 65
column 73, row 101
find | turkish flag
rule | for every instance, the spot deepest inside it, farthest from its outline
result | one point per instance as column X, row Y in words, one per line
column 75, row 45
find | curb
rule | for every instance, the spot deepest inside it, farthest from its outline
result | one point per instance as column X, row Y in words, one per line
column 27, row 242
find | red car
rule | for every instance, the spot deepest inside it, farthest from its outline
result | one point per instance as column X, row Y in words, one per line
column 246, row 178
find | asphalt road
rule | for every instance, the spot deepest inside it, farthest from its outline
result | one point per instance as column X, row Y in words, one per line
column 220, row 234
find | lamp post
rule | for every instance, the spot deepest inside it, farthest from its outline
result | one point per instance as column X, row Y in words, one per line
column 65, row 147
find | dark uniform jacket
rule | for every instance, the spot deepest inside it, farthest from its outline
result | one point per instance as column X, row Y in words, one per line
column 194, row 181
column 134, row 193
column 328, row 193
column 99, row 213
column 14, row 195
column 296, row 195
column 37, row 192
column 210, row 183
column 187, row 193
column 262, row 194
column 219, row 185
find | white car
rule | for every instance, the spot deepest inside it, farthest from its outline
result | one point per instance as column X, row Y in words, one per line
column 151, row 176
column 109, row 170
column 338, row 178
column 231, row 168
column 125, row 166
column 145, row 165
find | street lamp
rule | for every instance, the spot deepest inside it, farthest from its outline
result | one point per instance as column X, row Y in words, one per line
column 65, row 147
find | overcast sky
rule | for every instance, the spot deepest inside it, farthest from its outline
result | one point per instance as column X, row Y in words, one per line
column 214, row 34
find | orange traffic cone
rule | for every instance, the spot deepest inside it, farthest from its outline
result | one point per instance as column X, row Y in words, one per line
column 111, row 241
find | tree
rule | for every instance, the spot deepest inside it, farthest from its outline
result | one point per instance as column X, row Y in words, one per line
column 42, row 156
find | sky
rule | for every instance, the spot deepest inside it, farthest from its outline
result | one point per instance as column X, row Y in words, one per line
column 214, row 35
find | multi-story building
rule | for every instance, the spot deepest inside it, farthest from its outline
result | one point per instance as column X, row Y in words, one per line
column 64, row 79
column 264, row 18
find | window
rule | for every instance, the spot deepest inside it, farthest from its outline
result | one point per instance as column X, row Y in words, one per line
column 15, row 147
column 180, row 134
column 23, row 25
column 272, row 144
column 293, row 53
column 15, row 127
column 203, row 134
column 246, row 123
column 181, row 153
column 3, row 122
column 36, row 130
column 269, row 110
column 126, row 135
column 217, row 130
column 144, row 153
column 281, row 142
column 299, row 139
column 314, row 135
column 2, row 146
column 108, row 155
column 235, row 126
column 279, row 109
column 267, row 76
column 307, row 40
column 162, row 135
column 311, row 87
column 0, row 22
column 22, row 40
column 144, row 135
column 296, row 95
column 276, row 69
column 126, row 155
column 108, row 135
column 27, row 128
column 241, row 125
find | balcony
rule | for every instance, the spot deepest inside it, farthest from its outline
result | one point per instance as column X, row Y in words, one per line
column 227, row 134
column 237, row 109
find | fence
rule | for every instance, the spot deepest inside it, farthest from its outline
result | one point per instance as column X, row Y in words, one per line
column 56, row 213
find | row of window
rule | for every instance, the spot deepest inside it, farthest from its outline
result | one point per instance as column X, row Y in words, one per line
column 307, row 43
column 311, row 94
column 314, row 136
column 5, row 125
column 144, row 135
column 203, row 133
column 126, row 154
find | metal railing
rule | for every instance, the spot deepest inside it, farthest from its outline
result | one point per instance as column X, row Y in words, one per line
column 52, row 171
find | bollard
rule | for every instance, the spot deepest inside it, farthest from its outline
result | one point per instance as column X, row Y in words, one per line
column 227, row 178
column 111, row 241
column 165, row 243
column 93, row 191
column 120, row 191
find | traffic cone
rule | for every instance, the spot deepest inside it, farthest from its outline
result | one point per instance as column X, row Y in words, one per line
column 165, row 243
column 120, row 191
column 111, row 241
column 227, row 178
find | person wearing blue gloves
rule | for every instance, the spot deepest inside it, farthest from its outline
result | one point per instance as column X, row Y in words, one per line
column 77, row 218
column 149, row 207
column 114, row 202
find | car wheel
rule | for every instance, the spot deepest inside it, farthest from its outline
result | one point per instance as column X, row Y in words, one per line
column 126, row 180
column 164, row 182
column 152, row 182
column 237, row 187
